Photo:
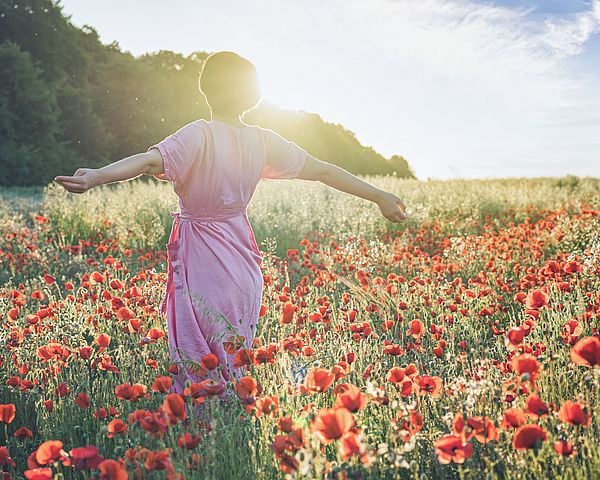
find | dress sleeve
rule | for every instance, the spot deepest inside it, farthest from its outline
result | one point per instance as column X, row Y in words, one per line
column 284, row 159
column 179, row 150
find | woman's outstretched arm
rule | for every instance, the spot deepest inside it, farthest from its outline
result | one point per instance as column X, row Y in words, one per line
column 390, row 205
column 83, row 179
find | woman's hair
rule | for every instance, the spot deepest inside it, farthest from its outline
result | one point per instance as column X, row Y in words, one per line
column 230, row 83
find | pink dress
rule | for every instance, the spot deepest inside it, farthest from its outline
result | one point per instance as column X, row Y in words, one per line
column 214, row 280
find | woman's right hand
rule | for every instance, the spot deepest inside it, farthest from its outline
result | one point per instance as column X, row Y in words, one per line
column 392, row 207
column 81, row 181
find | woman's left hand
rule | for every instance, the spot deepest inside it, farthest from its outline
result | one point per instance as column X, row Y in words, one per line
column 82, row 180
column 392, row 207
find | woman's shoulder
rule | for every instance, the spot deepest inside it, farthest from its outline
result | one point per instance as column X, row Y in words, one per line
column 193, row 127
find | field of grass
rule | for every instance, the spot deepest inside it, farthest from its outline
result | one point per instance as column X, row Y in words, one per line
column 461, row 344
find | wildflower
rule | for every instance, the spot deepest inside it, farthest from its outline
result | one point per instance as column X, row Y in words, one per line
column 513, row 418
column 529, row 436
column 247, row 387
column 574, row 413
column 451, row 448
column 38, row 474
column 133, row 393
column 174, row 405
column 23, row 432
column 535, row 406
column 352, row 398
column 85, row 458
column 562, row 447
column 82, row 400
column 49, row 452
column 112, row 470
column 331, row 423
column 7, row 413
column 536, row 299
column 6, row 459
column 319, row 379
column 116, row 427
column 162, row 384
column 586, row 352
column 351, row 445
column 210, row 361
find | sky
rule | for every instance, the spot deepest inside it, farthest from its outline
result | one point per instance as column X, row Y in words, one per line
column 461, row 89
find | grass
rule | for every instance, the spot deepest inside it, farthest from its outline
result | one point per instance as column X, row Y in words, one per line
column 359, row 283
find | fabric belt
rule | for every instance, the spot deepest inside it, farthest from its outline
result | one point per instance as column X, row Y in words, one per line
column 208, row 216
column 187, row 216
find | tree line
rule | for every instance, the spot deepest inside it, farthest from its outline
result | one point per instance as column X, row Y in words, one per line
column 68, row 100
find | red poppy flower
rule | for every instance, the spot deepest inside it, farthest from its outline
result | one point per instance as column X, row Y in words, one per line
column 331, row 423
column 586, row 352
column 38, row 474
column 102, row 340
column 536, row 300
column 7, row 413
column 112, row 470
column 82, row 400
column 429, row 385
column 247, row 387
column 417, row 329
column 116, row 427
column 267, row 405
column 162, row 384
column 287, row 313
column 116, row 284
column 85, row 458
column 451, row 448
column 158, row 461
column 483, row 429
column 513, row 418
column 174, row 405
column 526, row 364
column 529, row 436
column 562, row 447
column 6, row 459
column 535, row 406
column 243, row 357
column 319, row 379
column 350, row 445
column 206, row 388
column 574, row 413
column 189, row 441
column 133, row 393
column 62, row 389
column 96, row 277
column 49, row 452
column 23, row 432
column 515, row 335
column 210, row 361
column 395, row 375
column 352, row 398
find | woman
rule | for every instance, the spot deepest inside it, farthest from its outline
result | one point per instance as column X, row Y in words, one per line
column 214, row 284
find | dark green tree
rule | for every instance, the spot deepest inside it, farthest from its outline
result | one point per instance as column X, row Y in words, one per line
column 69, row 101
column 29, row 126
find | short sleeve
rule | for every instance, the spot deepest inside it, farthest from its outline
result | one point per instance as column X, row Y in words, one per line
column 179, row 151
column 284, row 159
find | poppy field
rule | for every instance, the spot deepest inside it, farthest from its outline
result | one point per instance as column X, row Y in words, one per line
column 463, row 343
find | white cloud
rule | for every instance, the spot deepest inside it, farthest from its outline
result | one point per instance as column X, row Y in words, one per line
column 493, row 47
column 474, row 77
